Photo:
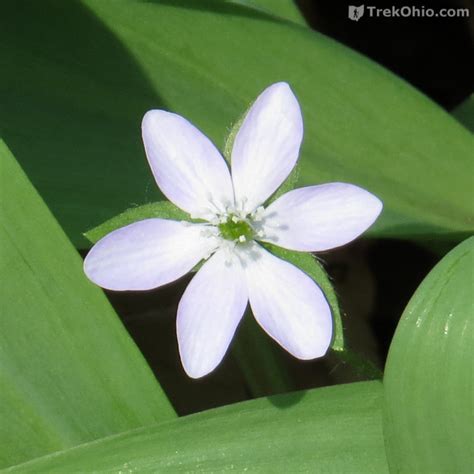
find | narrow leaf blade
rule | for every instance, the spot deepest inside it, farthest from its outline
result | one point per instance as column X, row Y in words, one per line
column 69, row 372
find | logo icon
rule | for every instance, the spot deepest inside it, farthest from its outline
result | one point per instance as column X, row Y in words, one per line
column 355, row 13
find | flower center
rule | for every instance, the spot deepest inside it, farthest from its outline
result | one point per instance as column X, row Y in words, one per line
column 236, row 230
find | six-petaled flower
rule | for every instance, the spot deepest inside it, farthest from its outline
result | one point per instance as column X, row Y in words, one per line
column 192, row 174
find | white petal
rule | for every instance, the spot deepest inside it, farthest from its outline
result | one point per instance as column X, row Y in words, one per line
column 320, row 217
column 267, row 145
column 288, row 305
column 187, row 166
column 147, row 254
column 209, row 312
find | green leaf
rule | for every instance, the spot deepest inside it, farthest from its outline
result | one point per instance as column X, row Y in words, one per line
column 465, row 113
column 311, row 266
column 163, row 209
column 69, row 372
column 329, row 430
column 73, row 93
column 428, row 377
column 286, row 9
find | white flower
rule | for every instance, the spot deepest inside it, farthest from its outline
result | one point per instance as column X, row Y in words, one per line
column 190, row 171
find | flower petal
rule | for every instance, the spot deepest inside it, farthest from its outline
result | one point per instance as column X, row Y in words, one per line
column 288, row 304
column 187, row 167
column 209, row 312
column 321, row 217
column 147, row 254
column 266, row 146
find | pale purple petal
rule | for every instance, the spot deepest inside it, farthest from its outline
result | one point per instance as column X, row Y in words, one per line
column 321, row 217
column 147, row 254
column 187, row 167
column 288, row 304
column 209, row 312
column 267, row 145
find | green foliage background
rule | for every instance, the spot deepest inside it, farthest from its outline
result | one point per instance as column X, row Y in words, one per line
column 76, row 393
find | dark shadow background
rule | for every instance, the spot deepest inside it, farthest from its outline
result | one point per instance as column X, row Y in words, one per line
column 433, row 54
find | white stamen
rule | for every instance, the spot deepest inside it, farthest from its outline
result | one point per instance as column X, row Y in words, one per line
column 241, row 205
column 227, row 205
column 215, row 207
column 235, row 219
column 242, row 239
column 258, row 214
column 260, row 233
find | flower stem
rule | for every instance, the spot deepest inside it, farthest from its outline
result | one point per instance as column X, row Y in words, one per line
column 361, row 365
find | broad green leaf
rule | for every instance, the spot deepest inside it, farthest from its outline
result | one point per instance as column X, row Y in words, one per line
column 311, row 266
column 77, row 78
column 330, row 430
column 69, row 372
column 429, row 423
column 286, row 9
column 465, row 113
